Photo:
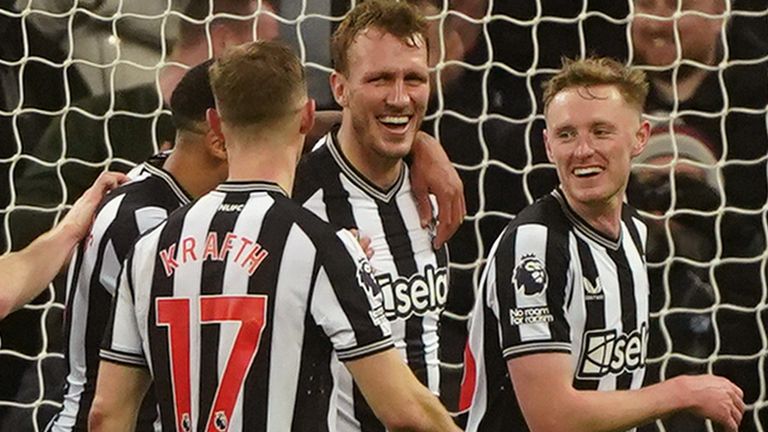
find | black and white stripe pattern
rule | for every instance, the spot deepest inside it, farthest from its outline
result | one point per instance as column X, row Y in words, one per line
column 412, row 275
column 246, row 243
column 554, row 284
column 124, row 215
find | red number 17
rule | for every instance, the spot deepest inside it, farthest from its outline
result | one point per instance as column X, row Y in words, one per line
column 250, row 312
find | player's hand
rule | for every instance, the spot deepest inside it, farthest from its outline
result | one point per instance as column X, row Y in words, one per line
column 365, row 242
column 432, row 172
column 715, row 398
column 80, row 217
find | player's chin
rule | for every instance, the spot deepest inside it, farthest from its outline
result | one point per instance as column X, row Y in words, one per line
column 397, row 148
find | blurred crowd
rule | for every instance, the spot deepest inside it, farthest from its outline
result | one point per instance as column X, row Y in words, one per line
column 69, row 109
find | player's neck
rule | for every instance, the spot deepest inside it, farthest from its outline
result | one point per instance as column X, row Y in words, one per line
column 379, row 170
column 186, row 163
column 603, row 217
column 257, row 160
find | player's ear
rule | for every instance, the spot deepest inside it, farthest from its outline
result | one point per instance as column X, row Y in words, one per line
column 339, row 88
column 216, row 145
column 214, row 122
column 307, row 116
column 641, row 138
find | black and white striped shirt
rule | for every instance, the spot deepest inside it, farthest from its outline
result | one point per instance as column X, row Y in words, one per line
column 125, row 214
column 237, row 304
column 555, row 284
column 412, row 275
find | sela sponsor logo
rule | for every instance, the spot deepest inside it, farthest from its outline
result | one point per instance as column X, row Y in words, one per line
column 530, row 315
column 592, row 291
column 530, row 276
column 419, row 294
column 368, row 283
column 608, row 352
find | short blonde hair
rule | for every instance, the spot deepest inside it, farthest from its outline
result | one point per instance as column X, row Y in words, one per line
column 257, row 82
column 592, row 71
column 397, row 18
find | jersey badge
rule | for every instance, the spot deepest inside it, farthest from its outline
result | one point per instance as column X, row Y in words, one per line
column 592, row 291
column 220, row 422
column 530, row 276
column 367, row 281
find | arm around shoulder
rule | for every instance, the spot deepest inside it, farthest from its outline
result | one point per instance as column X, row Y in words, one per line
column 594, row 411
column 432, row 172
column 396, row 396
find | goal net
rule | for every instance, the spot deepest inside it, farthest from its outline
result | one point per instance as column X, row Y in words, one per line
column 70, row 108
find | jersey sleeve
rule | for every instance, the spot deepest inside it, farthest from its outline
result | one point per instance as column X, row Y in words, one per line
column 347, row 302
column 122, row 339
column 525, row 285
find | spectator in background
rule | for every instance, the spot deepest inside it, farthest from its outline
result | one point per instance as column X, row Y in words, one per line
column 39, row 86
column 121, row 129
column 694, row 82
column 687, row 78
column 676, row 182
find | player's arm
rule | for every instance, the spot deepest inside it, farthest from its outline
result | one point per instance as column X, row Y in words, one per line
column 120, row 390
column 397, row 398
column 433, row 173
column 27, row 272
column 123, row 377
column 543, row 381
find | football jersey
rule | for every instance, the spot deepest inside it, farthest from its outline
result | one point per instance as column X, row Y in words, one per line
column 237, row 304
column 412, row 275
column 554, row 284
column 123, row 216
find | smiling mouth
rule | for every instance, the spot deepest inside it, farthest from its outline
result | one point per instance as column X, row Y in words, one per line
column 587, row 172
column 395, row 122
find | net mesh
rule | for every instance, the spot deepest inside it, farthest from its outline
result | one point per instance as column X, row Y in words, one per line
column 709, row 294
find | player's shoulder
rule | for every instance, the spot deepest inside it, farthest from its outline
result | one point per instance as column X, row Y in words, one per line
column 546, row 211
column 309, row 172
column 151, row 185
column 140, row 254
column 308, row 222
column 327, row 240
column 318, row 155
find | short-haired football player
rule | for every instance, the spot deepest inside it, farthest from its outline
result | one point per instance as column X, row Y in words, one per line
column 357, row 179
column 559, row 330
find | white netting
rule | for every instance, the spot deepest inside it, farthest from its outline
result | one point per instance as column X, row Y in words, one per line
column 709, row 300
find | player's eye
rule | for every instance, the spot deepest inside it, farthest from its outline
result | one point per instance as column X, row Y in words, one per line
column 416, row 79
column 602, row 132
